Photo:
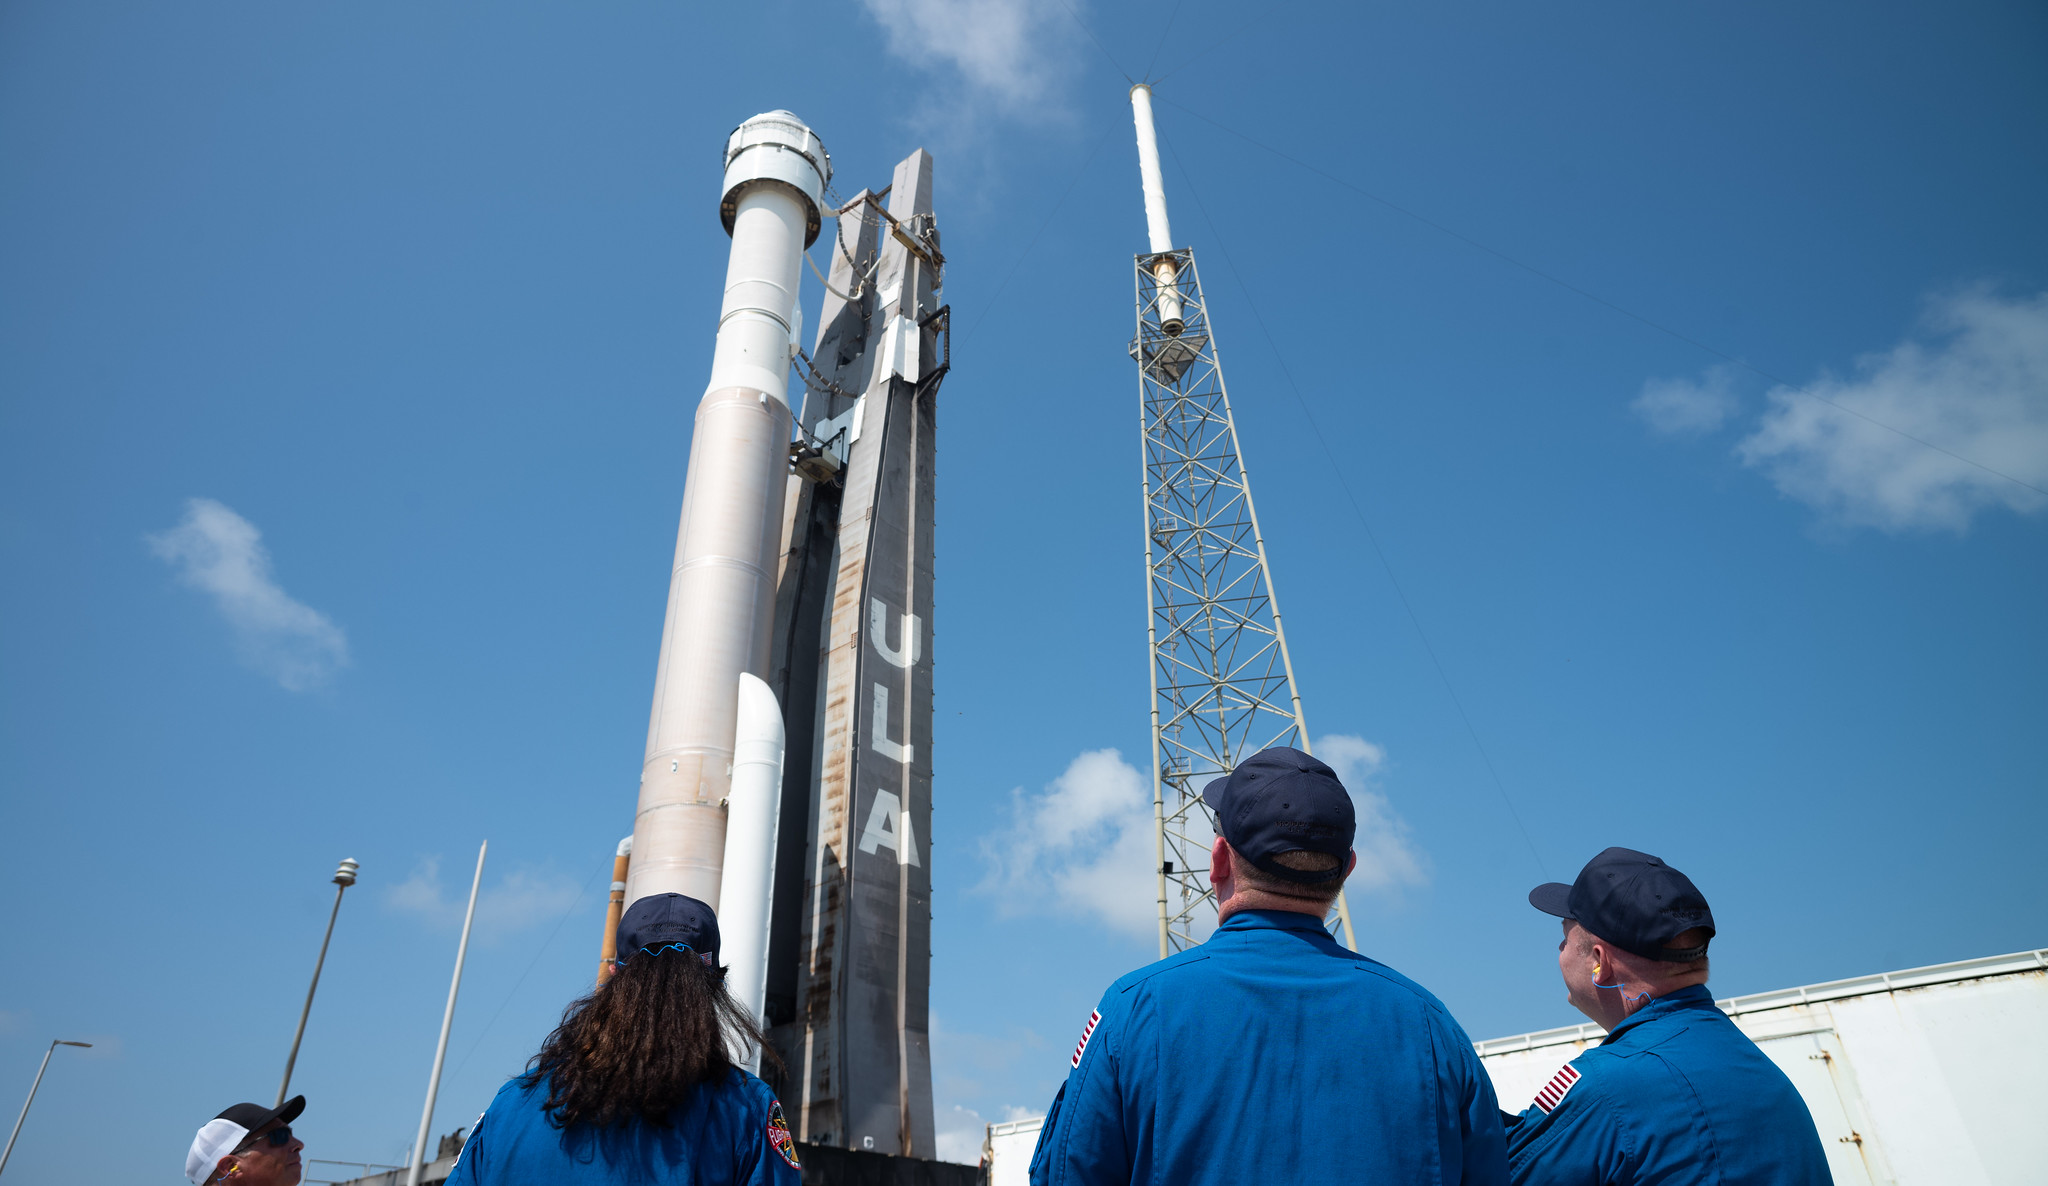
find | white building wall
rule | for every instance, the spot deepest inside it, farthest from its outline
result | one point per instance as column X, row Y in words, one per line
column 1931, row 1076
column 1008, row 1149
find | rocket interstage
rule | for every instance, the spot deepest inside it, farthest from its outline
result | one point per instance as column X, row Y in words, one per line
column 722, row 590
column 1158, row 232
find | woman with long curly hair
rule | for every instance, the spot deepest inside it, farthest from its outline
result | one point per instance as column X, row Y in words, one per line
column 639, row 1083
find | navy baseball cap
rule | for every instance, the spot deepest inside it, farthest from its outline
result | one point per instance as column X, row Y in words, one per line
column 1281, row 800
column 659, row 922
column 1634, row 901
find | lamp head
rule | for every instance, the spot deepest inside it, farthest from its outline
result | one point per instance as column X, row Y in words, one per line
column 346, row 874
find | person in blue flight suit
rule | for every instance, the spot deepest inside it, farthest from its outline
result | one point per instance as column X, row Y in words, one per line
column 638, row 1084
column 1675, row 1094
column 1270, row 1053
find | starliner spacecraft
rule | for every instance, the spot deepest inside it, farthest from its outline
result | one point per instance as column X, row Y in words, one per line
column 787, row 778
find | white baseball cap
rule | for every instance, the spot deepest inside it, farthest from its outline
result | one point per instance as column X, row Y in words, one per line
column 219, row 1136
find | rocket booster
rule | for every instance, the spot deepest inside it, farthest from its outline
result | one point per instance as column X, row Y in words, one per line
column 722, row 591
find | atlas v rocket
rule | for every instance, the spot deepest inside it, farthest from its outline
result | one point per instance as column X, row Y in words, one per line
column 787, row 778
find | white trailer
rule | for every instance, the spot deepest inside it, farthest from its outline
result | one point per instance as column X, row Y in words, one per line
column 1006, row 1151
column 1934, row 1075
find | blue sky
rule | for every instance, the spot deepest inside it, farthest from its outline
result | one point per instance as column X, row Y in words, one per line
column 419, row 300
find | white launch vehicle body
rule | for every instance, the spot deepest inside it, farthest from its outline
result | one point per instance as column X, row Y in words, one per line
column 722, row 592
column 747, row 884
column 1158, row 232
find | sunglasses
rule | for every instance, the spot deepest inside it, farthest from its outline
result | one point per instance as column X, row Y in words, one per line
column 276, row 1138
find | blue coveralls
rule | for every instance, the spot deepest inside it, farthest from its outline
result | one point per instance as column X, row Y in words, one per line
column 1676, row 1095
column 1271, row 1054
column 727, row 1132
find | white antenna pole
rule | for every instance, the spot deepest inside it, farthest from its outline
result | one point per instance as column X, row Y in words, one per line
column 419, row 1148
column 1157, row 230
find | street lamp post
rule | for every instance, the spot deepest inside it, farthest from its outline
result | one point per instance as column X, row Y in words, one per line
column 54, row 1043
column 344, row 877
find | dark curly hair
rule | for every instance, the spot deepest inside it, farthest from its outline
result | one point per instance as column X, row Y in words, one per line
column 638, row 1045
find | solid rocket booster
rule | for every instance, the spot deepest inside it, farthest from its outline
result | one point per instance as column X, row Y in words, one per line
column 747, row 885
column 1157, row 230
column 722, row 592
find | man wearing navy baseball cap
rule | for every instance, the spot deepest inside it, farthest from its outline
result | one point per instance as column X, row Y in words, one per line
column 1675, row 1093
column 1270, row 1053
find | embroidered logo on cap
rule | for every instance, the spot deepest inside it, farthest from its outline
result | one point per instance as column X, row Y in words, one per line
column 778, row 1135
column 1554, row 1091
column 1086, row 1033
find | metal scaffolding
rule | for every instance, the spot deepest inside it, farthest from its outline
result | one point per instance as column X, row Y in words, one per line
column 1222, row 681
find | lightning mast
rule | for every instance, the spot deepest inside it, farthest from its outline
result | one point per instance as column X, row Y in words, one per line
column 1222, row 681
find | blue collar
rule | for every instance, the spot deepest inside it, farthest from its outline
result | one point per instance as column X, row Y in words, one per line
column 1271, row 920
column 1668, row 1005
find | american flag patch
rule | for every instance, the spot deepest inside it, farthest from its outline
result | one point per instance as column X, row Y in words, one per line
column 1087, row 1032
column 1554, row 1091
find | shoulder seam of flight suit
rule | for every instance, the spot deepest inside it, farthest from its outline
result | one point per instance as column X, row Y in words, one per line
column 1391, row 977
column 1140, row 976
column 1699, row 1111
column 1619, row 1050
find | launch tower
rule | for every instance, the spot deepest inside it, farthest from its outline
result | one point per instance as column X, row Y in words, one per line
column 1222, row 679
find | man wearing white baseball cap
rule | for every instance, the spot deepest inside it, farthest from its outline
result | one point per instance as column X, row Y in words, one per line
column 248, row 1145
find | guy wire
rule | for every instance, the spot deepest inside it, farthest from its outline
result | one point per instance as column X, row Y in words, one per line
column 1602, row 301
column 1359, row 511
column 531, row 964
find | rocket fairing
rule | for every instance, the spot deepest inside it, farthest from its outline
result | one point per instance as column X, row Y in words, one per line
column 722, row 589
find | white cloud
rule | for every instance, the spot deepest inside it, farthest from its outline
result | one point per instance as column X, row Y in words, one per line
column 960, row 1133
column 519, row 900
column 1083, row 845
column 1975, row 384
column 983, row 1068
column 1007, row 52
column 1387, row 860
column 1680, row 407
column 221, row 554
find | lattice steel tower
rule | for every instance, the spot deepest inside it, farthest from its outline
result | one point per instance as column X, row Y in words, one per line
column 1222, row 680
